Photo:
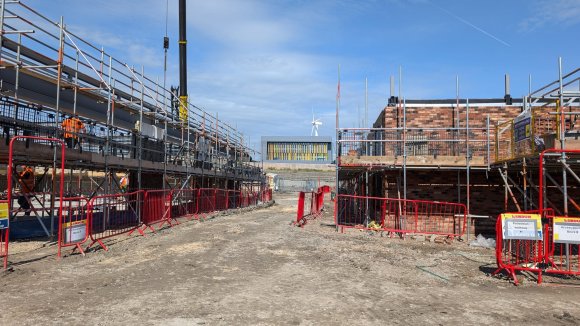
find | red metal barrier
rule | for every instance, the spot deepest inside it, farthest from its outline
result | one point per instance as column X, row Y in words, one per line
column 401, row 216
column 300, row 210
column 234, row 199
column 221, row 200
column 517, row 254
column 4, row 232
column 112, row 215
column 563, row 251
column 206, row 202
column 73, row 224
column 266, row 195
column 157, row 208
column 316, row 200
column 555, row 252
column 184, row 203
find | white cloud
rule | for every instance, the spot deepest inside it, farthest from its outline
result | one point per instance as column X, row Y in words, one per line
column 560, row 12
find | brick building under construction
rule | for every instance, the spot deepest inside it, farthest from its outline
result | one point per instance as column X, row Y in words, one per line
column 483, row 153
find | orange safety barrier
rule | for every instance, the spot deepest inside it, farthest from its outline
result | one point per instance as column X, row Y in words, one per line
column 157, row 208
column 112, row 215
column 73, row 223
column 4, row 231
column 401, row 216
column 537, row 243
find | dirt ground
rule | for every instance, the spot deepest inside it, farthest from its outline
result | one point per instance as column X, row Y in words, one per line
column 255, row 268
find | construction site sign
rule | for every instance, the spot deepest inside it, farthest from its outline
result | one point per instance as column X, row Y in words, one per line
column 566, row 229
column 4, row 220
column 74, row 231
column 522, row 226
column 523, row 126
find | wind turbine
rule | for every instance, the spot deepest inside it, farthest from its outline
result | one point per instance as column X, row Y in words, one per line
column 315, row 124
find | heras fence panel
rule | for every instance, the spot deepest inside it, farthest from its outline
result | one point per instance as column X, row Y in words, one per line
column 112, row 215
column 157, row 208
column 221, row 199
column 206, row 201
column 73, row 223
column 184, row 203
column 4, row 231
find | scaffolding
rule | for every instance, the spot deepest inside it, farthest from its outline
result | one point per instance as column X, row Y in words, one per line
column 507, row 136
column 131, row 122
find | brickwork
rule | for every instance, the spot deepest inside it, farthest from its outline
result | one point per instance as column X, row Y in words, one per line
column 440, row 117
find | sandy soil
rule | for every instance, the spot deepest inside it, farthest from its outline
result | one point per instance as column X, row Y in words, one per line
column 255, row 268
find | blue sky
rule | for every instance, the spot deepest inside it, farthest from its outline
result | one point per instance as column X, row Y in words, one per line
column 265, row 65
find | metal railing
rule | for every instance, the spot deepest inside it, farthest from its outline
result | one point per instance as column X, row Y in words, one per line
column 396, row 142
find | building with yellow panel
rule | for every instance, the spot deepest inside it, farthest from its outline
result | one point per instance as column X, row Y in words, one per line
column 289, row 149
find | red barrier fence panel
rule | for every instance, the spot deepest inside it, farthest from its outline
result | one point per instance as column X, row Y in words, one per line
column 73, row 223
column 520, row 244
column 316, row 203
column 157, row 208
column 234, row 199
column 245, row 199
column 394, row 215
column 401, row 216
column 263, row 196
column 300, row 210
column 221, row 199
column 252, row 199
column 184, row 203
column 441, row 218
column 112, row 215
column 563, row 252
column 206, row 202
column 4, row 231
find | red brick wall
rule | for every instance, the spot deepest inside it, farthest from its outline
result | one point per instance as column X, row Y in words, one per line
column 438, row 117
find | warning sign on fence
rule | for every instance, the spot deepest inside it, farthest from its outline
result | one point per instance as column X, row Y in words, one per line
column 4, row 221
column 75, row 231
column 522, row 226
column 566, row 229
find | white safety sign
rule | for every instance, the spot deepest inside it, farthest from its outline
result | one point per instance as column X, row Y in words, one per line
column 566, row 229
column 522, row 226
